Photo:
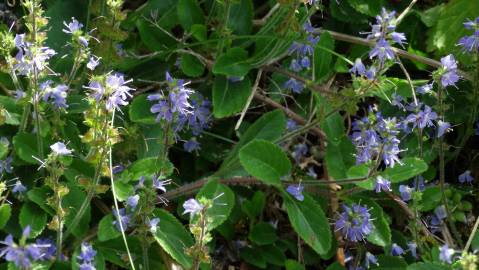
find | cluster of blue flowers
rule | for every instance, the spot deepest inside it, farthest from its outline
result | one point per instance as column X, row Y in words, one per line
column 114, row 91
column 181, row 109
column 56, row 95
column 127, row 213
column 470, row 43
column 375, row 136
column 355, row 222
column 30, row 60
column 383, row 34
column 303, row 51
column 23, row 255
column 86, row 258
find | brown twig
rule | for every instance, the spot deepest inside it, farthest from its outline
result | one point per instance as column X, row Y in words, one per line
column 399, row 52
column 297, row 118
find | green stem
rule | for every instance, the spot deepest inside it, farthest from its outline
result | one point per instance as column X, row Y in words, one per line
column 115, row 200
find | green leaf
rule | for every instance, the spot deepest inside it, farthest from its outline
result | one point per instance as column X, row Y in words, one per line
column 149, row 166
column 255, row 206
column 323, row 57
column 3, row 148
column 333, row 125
column 310, row 222
column 173, row 237
column 31, row 215
column 265, row 161
column 339, row 158
column 273, row 255
column 427, row 266
column 191, row 65
column 253, row 257
column 232, row 63
column 410, row 168
column 72, row 201
column 240, row 18
column 269, row 127
column 224, row 201
column 263, row 234
column 5, row 213
column 106, row 229
column 39, row 195
column 361, row 171
column 139, row 110
column 381, row 234
column 390, row 263
column 449, row 28
column 25, row 145
column 229, row 97
column 189, row 13
column 199, row 32
column 431, row 198
column 293, row 265
column 335, row 266
column 153, row 38
column 370, row 7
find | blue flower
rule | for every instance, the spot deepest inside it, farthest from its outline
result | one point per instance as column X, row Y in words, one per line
column 175, row 103
column 440, row 212
column 57, row 95
column 23, row 255
column 383, row 51
column 470, row 25
column 396, row 250
column 423, row 118
column 354, row 222
column 358, row 68
column 382, row 184
column 466, row 177
column 405, row 192
column 399, row 38
column 425, row 89
column 86, row 257
column 159, row 184
column 60, row 149
column 123, row 217
column 291, row 125
column 445, row 254
column 153, row 224
column 296, row 191
column 72, row 27
column 294, row 86
column 19, row 188
column 191, row 145
column 370, row 259
column 295, row 65
column 47, row 249
column 93, row 62
column 6, row 165
column 120, row 92
column 397, row 100
column 412, row 247
column 192, row 207
column 132, row 201
column 449, row 74
column 471, row 43
column 299, row 151
column 442, row 127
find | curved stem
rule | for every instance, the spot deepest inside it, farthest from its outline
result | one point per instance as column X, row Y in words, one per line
column 115, row 200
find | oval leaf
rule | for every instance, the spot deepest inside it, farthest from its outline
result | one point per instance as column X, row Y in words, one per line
column 265, row 161
column 310, row 222
column 173, row 237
